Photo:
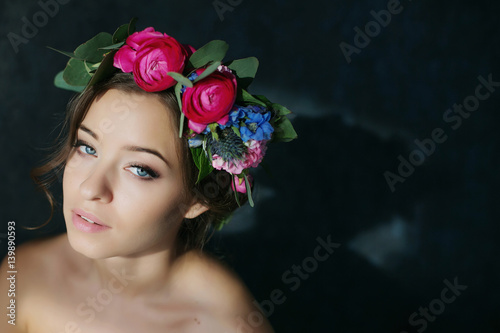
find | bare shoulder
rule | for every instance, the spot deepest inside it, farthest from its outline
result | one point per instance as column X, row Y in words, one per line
column 225, row 302
column 30, row 263
column 37, row 258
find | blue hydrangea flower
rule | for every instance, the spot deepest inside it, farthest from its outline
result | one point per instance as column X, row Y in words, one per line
column 252, row 121
column 257, row 126
column 195, row 141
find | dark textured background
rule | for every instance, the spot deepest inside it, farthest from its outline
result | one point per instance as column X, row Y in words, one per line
column 353, row 119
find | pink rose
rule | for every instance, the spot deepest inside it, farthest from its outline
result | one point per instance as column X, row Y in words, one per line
column 150, row 55
column 210, row 99
column 138, row 38
column 252, row 158
column 240, row 183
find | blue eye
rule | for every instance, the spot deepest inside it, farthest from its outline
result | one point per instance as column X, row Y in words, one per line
column 88, row 150
column 85, row 148
column 143, row 172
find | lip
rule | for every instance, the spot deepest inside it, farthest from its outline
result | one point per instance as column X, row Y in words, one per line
column 86, row 226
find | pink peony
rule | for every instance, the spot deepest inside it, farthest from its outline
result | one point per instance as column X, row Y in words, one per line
column 210, row 99
column 189, row 49
column 240, row 183
column 150, row 55
column 252, row 158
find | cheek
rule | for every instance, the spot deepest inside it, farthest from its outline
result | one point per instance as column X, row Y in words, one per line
column 74, row 160
column 68, row 194
column 69, row 189
column 150, row 217
column 71, row 173
column 156, row 202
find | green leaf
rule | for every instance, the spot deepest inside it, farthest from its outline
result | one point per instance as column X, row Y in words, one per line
column 94, row 66
column 280, row 109
column 177, row 90
column 249, row 190
column 213, row 130
column 75, row 73
column 248, row 98
column 87, row 68
column 263, row 99
column 60, row 83
column 209, row 70
column 124, row 31
column 245, row 69
column 283, row 130
column 202, row 162
column 181, row 79
column 223, row 222
column 120, row 34
column 212, row 51
column 105, row 70
column 131, row 25
column 68, row 54
column 112, row 47
column 235, row 192
column 181, row 124
column 236, row 131
column 90, row 50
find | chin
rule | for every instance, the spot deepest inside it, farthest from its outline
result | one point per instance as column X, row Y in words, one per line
column 90, row 248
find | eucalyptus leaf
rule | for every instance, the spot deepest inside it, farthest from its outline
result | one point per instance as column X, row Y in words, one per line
column 87, row 68
column 245, row 69
column 263, row 99
column 248, row 98
column 75, row 73
column 209, row 70
column 177, row 90
column 223, row 222
column 280, row 109
column 212, row 51
column 90, row 50
column 249, row 191
column 105, row 70
column 181, row 124
column 181, row 79
column 131, row 25
column 235, row 192
column 283, row 130
column 124, row 31
column 60, row 83
column 121, row 33
column 112, row 47
column 94, row 66
column 68, row 54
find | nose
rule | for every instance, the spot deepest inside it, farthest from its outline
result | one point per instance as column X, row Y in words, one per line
column 97, row 185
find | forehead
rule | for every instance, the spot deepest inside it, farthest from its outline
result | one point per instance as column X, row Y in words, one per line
column 120, row 118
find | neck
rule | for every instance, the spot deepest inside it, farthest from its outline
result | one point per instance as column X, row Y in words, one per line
column 137, row 275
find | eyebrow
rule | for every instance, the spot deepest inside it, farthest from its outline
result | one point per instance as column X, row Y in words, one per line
column 128, row 147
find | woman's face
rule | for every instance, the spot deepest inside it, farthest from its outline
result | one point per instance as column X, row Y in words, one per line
column 125, row 175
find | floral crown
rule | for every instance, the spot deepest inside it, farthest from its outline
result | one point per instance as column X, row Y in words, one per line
column 227, row 127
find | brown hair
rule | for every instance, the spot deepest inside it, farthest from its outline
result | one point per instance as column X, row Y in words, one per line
column 214, row 191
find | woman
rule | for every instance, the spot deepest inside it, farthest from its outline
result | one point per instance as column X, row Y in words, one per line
column 151, row 162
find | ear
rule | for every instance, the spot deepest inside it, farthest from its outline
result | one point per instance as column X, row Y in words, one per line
column 195, row 210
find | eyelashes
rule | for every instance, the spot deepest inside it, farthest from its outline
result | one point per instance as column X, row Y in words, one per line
column 87, row 148
column 140, row 170
column 143, row 171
